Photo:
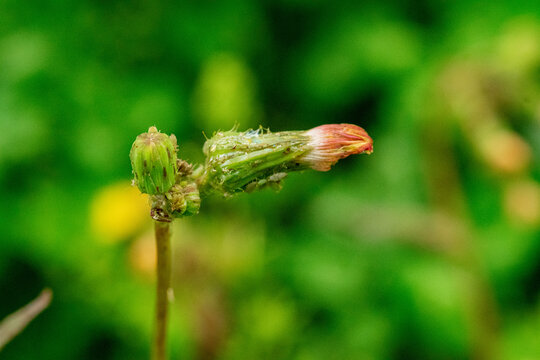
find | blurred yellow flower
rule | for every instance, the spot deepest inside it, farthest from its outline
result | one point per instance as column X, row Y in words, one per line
column 142, row 255
column 118, row 211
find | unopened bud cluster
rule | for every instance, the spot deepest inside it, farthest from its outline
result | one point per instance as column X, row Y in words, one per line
column 159, row 173
column 236, row 162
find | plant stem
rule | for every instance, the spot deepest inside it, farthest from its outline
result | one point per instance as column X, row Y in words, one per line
column 163, row 251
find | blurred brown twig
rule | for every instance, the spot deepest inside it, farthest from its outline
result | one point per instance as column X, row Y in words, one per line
column 15, row 323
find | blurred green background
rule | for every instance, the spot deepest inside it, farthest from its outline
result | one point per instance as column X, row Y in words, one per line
column 427, row 249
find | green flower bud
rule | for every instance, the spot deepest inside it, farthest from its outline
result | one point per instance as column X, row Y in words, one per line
column 193, row 199
column 184, row 199
column 153, row 159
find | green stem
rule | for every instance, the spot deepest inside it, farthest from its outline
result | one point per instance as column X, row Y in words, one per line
column 163, row 247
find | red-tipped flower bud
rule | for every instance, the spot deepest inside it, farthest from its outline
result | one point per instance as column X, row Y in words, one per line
column 333, row 142
column 245, row 161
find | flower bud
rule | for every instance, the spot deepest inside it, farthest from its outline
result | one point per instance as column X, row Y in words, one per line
column 153, row 159
column 193, row 199
column 246, row 161
column 333, row 142
column 184, row 199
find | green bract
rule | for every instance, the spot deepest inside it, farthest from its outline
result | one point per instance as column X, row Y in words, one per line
column 245, row 161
